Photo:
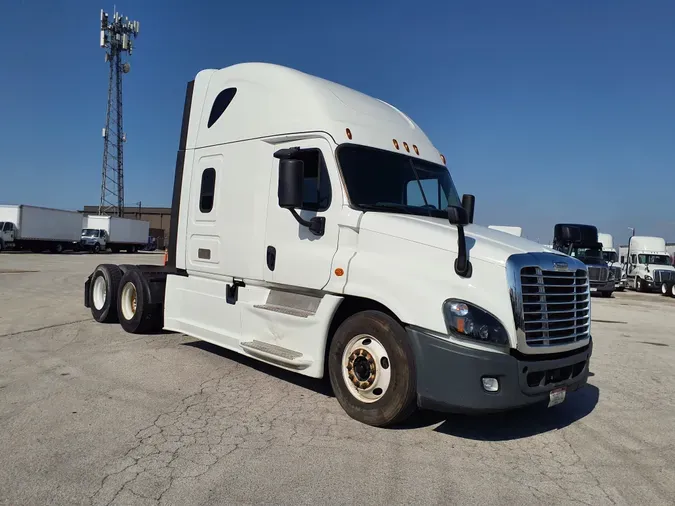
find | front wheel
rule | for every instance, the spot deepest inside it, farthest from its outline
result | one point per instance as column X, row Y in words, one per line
column 606, row 294
column 639, row 285
column 672, row 290
column 372, row 369
column 97, row 248
column 665, row 289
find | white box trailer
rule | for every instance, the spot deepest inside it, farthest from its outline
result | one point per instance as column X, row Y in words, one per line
column 117, row 234
column 38, row 228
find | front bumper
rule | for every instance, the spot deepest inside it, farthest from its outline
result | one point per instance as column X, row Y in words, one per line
column 449, row 376
column 602, row 286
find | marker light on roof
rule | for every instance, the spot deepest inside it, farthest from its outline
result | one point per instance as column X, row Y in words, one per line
column 443, row 159
column 417, row 151
column 405, row 145
column 349, row 134
column 395, row 143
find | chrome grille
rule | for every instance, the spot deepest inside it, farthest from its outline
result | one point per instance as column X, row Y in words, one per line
column 661, row 275
column 598, row 273
column 556, row 306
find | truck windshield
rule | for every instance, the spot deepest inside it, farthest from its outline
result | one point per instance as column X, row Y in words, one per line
column 587, row 253
column 379, row 180
column 89, row 232
column 610, row 256
column 654, row 259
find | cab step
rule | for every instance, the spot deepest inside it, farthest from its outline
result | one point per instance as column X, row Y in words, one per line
column 291, row 311
column 276, row 354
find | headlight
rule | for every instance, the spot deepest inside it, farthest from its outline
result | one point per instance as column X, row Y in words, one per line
column 470, row 322
column 648, row 278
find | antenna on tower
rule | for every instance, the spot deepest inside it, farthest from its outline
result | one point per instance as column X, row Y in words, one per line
column 117, row 35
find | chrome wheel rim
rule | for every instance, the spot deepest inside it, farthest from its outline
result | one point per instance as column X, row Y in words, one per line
column 366, row 368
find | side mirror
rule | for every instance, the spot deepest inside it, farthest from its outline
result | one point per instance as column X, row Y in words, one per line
column 290, row 191
column 291, row 178
column 469, row 203
column 457, row 215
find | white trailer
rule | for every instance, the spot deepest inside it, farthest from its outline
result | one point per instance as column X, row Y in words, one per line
column 517, row 231
column 37, row 229
column 648, row 265
column 318, row 229
column 110, row 232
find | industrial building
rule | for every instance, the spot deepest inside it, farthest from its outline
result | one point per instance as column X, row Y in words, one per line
column 158, row 217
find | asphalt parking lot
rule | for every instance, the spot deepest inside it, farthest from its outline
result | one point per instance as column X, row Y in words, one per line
column 92, row 415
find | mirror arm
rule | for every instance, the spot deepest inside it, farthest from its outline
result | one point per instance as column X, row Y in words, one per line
column 315, row 225
column 462, row 264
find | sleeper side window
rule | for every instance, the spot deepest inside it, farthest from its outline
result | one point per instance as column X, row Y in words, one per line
column 316, row 192
column 207, row 191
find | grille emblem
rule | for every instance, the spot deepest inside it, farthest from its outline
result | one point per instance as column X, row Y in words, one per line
column 560, row 266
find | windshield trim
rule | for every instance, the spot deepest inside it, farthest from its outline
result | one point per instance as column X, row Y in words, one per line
column 411, row 210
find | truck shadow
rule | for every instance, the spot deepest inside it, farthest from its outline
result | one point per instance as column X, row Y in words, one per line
column 319, row 386
column 511, row 425
column 506, row 426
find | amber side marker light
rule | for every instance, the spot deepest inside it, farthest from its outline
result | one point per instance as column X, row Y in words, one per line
column 395, row 143
column 339, row 272
column 166, row 256
column 443, row 159
column 417, row 151
column 405, row 145
column 349, row 134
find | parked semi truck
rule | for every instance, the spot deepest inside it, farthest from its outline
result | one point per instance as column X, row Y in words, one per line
column 110, row 232
column 581, row 241
column 611, row 257
column 38, row 229
column 648, row 265
column 318, row 229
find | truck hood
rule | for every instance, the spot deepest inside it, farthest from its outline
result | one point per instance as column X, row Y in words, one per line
column 660, row 267
column 482, row 243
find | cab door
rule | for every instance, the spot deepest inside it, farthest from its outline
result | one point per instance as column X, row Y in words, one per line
column 294, row 255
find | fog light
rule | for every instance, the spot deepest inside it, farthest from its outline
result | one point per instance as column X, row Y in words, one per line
column 490, row 384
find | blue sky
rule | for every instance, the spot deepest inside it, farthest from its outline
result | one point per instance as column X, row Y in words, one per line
column 546, row 111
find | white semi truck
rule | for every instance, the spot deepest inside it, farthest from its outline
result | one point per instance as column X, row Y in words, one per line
column 38, row 229
column 648, row 265
column 610, row 256
column 317, row 229
column 110, row 232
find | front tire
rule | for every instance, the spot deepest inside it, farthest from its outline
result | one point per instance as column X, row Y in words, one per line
column 136, row 314
column 372, row 369
column 665, row 289
column 606, row 295
column 103, row 293
column 639, row 285
column 672, row 290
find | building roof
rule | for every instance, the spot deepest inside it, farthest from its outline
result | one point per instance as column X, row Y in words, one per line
column 131, row 210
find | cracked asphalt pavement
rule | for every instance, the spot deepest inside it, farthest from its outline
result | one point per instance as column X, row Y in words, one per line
column 92, row 415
